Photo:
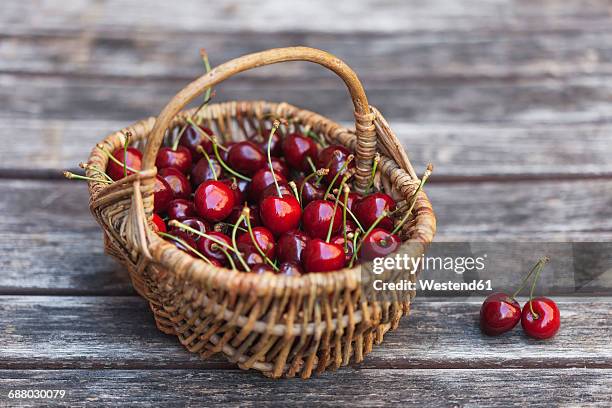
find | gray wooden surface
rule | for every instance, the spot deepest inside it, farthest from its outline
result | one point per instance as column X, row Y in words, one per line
column 510, row 100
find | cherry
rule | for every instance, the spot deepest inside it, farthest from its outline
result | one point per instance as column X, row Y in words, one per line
column 499, row 313
column 263, row 238
column 280, row 167
column 545, row 319
column 318, row 216
column 369, row 208
column 280, row 214
column 180, row 208
column 133, row 160
column 186, row 238
column 321, row 256
column 162, row 195
column 202, row 172
column 263, row 179
column 191, row 139
column 334, row 158
column 275, row 143
column 237, row 211
column 239, row 188
column 297, row 148
column 378, row 243
column 348, row 250
column 179, row 158
column 246, row 158
column 353, row 198
column 249, row 254
column 197, row 224
column 158, row 223
column 271, row 191
column 291, row 245
column 290, row 269
column 214, row 200
column 177, row 181
column 211, row 249
column 261, row 268
column 309, row 190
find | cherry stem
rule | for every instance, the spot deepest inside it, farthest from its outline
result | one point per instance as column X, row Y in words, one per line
column 542, row 262
column 275, row 126
column 86, row 166
column 354, row 257
column 346, row 194
column 374, row 225
column 72, row 176
column 538, row 264
column 125, row 149
column 223, row 164
column 229, row 224
column 238, row 254
column 246, row 212
column 344, row 165
column 319, row 173
column 333, row 218
column 311, row 164
column 113, row 158
column 185, row 227
column 201, row 150
column 295, row 192
column 374, row 168
column 186, row 245
column 348, row 210
column 204, row 56
column 199, row 130
column 227, row 255
column 414, row 199
column 316, row 138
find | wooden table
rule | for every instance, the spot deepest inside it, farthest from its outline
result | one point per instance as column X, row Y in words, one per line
column 512, row 101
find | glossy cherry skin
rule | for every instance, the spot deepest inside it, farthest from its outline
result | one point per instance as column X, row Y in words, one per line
column 271, row 191
column 180, row 186
column 202, row 172
column 180, row 208
column 158, row 223
column 191, row 139
column 290, row 269
column 369, row 208
column 210, row 249
column 333, row 158
column 353, row 198
column 296, row 148
column 246, row 158
column 263, row 237
column 262, row 180
column 180, row 158
column 239, row 188
column 548, row 318
column 348, row 254
column 310, row 190
column 250, row 255
column 214, row 200
column 320, row 256
column 133, row 159
column 378, row 244
column 280, row 214
column 291, row 245
column 162, row 195
column 185, row 238
column 318, row 216
column 237, row 211
column 275, row 145
column 197, row 224
column 280, row 167
column 261, row 268
column 499, row 313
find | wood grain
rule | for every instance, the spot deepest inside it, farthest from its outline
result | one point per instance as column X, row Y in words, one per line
column 119, row 332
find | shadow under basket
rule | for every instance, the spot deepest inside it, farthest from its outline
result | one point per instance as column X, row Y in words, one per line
column 279, row 325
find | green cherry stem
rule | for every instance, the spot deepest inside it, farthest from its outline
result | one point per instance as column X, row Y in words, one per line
column 354, row 257
column 319, row 173
column 128, row 134
column 320, row 140
column 228, row 256
column 374, row 167
column 533, row 286
column 236, row 251
column 344, row 166
column 246, row 212
column 227, row 168
column 72, row 176
column 540, row 264
column 204, row 56
column 203, row 133
column 186, row 245
column 295, row 192
column 86, row 166
column 201, row 150
column 311, row 164
column 275, row 126
column 414, row 198
column 374, row 225
column 346, row 194
column 333, row 218
column 113, row 158
column 185, row 227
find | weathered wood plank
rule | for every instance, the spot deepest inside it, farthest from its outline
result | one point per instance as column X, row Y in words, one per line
column 47, row 146
column 425, row 388
column 51, row 242
column 118, row 332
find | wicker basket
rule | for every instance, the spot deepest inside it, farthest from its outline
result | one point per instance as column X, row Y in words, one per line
column 279, row 325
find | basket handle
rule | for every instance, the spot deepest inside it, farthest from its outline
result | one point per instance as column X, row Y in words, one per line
column 364, row 118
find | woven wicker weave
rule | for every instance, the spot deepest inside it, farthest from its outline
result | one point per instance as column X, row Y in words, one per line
column 279, row 325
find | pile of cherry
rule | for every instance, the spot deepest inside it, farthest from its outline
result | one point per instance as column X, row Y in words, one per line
column 274, row 202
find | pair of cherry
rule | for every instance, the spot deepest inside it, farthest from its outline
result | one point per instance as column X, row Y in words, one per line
column 540, row 316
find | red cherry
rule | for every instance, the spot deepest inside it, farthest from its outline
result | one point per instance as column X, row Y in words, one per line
column 201, row 172
column 348, row 254
column 275, row 144
column 310, row 190
column 246, row 158
column 369, row 208
column 191, row 139
column 237, row 212
column 197, row 224
column 185, row 238
column 280, row 167
column 133, row 159
column 321, row 256
column 179, row 209
column 352, row 199
column 210, row 249
column 280, row 214
column 214, row 200
column 317, row 217
column 158, row 223
column 271, row 191
column 162, row 195
column 263, row 237
column 239, row 188
column 291, row 245
column 333, row 158
column 378, row 244
column 499, row 313
column 297, row 148
column 177, row 181
column 262, row 180
column 547, row 322
column 249, row 254
column 290, row 269
column 261, row 268
column 179, row 158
